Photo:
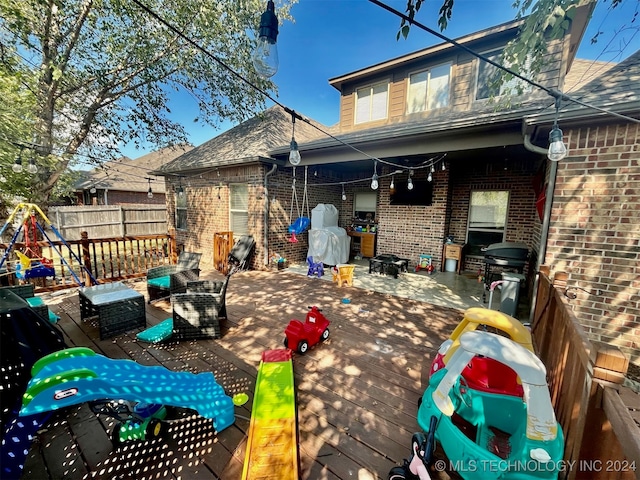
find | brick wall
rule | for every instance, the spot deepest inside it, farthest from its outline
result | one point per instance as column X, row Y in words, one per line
column 595, row 231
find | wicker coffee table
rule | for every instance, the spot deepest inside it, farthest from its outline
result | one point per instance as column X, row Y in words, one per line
column 118, row 308
column 388, row 265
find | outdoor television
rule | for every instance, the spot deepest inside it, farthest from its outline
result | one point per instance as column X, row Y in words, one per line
column 422, row 193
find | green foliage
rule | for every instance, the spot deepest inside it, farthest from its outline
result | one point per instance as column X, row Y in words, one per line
column 88, row 75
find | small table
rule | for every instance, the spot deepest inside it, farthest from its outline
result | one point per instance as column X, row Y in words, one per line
column 118, row 308
column 388, row 265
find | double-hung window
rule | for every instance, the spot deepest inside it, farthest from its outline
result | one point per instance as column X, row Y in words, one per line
column 239, row 208
column 429, row 89
column 487, row 219
column 181, row 211
column 489, row 83
column 371, row 103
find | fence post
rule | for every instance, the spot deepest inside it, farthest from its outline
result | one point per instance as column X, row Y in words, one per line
column 86, row 257
column 173, row 246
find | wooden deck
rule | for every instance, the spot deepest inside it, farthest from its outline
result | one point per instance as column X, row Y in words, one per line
column 357, row 394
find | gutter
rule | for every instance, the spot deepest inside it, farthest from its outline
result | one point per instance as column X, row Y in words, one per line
column 546, row 217
column 265, row 227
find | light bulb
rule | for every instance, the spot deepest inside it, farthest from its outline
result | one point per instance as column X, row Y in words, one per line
column 344, row 196
column 17, row 167
column 3, row 179
column 32, row 167
column 409, row 184
column 429, row 177
column 294, row 154
column 557, row 150
column 150, row 193
column 374, row 182
column 433, row 170
column 265, row 55
column 92, row 190
column 444, row 167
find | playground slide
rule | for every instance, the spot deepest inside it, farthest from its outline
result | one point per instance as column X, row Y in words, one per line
column 272, row 449
column 77, row 375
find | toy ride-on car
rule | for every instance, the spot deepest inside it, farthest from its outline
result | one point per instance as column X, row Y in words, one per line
column 142, row 421
column 300, row 336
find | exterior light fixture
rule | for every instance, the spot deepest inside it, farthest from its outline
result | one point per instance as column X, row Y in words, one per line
column 392, row 186
column 265, row 56
column 92, row 190
column 17, row 166
column 294, row 154
column 557, row 149
column 32, row 167
column 444, row 166
column 429, row 177
column 149, row 193
column 344, row 195
column 180, row 191
column 3, row 179
column 409, row 181
column 374, row 177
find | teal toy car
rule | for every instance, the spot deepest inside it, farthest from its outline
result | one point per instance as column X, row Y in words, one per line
column 142, row 421
column 488, row 435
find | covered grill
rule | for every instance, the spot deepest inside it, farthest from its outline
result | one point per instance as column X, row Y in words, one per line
column 503, row 256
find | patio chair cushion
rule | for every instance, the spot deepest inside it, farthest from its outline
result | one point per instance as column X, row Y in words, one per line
column 160, row 282
column 166, row 280
column 158, row 333
column 39, row 306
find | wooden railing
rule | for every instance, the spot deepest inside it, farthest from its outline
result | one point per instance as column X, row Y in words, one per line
column 78, row 262
column 601, row 439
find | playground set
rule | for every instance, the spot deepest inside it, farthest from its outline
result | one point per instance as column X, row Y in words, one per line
column 31, row 262
column 302, row 222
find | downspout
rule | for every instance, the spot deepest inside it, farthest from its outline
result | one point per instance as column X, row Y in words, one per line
column 274, row 167
column 546, row 218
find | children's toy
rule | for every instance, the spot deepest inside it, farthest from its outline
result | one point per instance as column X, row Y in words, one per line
column 78, row 375
column 300, row 336
column 492, row 435
column 424, row 263
column 272, row 448
column 315, row 268
column 141, row 421
column 343, row 273
column 422, row 449
column 485, row 373
column 302, row 222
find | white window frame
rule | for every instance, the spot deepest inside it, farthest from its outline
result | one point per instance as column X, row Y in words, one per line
column 495, row 215
column 505, row 87
column 239, row 209
column 181, row 211
column 430, row 100
column 368, row 97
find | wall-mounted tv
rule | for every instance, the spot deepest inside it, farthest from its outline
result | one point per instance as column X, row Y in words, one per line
column 421, row 194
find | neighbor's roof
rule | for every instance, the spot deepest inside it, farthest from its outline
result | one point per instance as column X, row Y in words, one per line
column 249, row 141
column 125, row 174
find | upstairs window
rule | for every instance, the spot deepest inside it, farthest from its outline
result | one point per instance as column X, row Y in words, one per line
column 371, row 103
column 488, row 78
column 429, row 89
column 239, row 208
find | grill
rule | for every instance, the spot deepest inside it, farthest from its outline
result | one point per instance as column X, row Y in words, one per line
column 503, row 256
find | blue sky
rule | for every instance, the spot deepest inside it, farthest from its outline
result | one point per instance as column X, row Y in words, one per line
column 332, row 37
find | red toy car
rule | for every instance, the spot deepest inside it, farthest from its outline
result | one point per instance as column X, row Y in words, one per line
column 300, row 336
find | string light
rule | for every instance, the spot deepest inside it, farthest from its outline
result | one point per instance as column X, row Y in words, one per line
column 17, row 166
column 149, row 193
column 392, row 186
column 265, row 56
column 294, row 154
column 374, row 177
column 409, row 181
column 32, row 167
column 344, row 195
column 557, row 150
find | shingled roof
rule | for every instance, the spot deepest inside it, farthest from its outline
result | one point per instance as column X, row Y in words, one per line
column 247, row 142
column 125, row 174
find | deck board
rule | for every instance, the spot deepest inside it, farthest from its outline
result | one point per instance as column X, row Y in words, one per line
column 357, row 394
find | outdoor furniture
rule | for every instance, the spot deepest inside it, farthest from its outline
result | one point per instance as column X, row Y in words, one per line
column 239, row 254
column 197, row 312
column 27, row 292
column 167, row 280
column 343, row 273
column 118, row 308
column 388, row 265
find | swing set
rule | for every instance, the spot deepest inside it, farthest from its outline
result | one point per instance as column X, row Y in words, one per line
column 31, row 263
column 302, row 222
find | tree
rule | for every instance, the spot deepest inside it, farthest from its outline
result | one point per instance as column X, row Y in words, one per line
column 545, row 20
column 83, row 76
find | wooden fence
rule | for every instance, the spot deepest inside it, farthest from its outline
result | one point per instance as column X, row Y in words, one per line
column 103, row 221
column 602, row 440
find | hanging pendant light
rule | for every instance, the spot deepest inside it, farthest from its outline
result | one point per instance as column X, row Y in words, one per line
column 409, row 181
column 294, row 154
column 374, row 177
column 344, row 195
column 557, row 149
column 265, row 56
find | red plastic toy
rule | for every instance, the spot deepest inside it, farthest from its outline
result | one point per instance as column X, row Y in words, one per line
column 300, row 336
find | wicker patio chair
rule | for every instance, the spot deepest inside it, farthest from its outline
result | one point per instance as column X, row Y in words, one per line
column 166, row 280
column 197, row 313
column 27, row 292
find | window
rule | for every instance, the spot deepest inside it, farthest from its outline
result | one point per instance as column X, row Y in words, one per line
column 181, row 211
column 371, row 103
column 487, row 219
column 364, row 205
column 488, row 76
column 239, row 208
column 429, row 89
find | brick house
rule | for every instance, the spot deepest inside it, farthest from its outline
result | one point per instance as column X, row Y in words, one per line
column 475, row 156
column 125, row 181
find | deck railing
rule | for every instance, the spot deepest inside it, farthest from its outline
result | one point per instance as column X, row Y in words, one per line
column 601, row 438
column 82, row 261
